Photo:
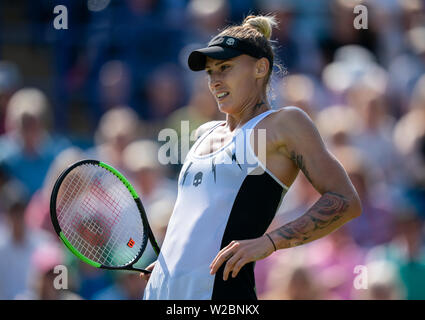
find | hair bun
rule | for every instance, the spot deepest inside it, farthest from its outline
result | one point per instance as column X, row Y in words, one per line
column 263, row 24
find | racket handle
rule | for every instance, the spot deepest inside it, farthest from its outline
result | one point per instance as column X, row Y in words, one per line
column 131, row 268
column 144, row 271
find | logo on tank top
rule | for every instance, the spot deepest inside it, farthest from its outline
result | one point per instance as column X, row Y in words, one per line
column 230, row 41
column 197, row 180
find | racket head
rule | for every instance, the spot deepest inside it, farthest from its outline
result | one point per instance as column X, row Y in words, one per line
column 97, row 214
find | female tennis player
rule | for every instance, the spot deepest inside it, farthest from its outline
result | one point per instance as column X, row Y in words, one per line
column 228, row 194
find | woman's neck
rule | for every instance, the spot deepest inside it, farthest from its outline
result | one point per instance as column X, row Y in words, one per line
column 234, row 121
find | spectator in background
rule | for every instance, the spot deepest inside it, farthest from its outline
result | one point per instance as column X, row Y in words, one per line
column 115, row 84
column 408, row 137
column 292, row 278
column 333, row 260
column 200, row 108
column 352, row 66
column 140, row 36
column 117, row 129
column 412, row 256
column 409, row 64
column 385, row 15
column 9, row 81
column 405, row 70
column 412, row 13
column 290, row 53
column 146, row 24
column 299, row 90
column 338, row 124
column 375, row 130
column 43, row 276
column 37, row 213
column 141, row 160
column 165, row 93
column 383, row 283
column 376, row 226
column 126, row 286
column 160, row 213
column 18, row 245
column 406, row 250
column 89, row 280
column 207, row 17
column 28, row 147
column 341, row 31
column 4, row 180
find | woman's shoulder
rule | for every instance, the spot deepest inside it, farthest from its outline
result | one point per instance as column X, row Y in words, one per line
column 289, row 121
column 288, row 116
column 291, row 112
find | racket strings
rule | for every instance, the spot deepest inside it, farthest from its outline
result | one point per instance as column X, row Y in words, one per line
column 99, row 217
column 71, row 190
column 98, row 241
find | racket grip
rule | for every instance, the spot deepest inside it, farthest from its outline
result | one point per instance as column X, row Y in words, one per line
column 131, row 268
column 144, row 271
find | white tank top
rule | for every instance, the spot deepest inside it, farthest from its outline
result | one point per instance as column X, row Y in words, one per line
column 221, row 197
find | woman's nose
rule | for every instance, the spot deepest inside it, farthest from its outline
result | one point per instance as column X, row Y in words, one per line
column 215, row 81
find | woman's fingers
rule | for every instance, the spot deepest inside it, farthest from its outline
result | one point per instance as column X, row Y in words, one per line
column 239, row 253
column 238, row 267
column 231, row 263
column 146, row 276
column 221, row 258
column 224, row 254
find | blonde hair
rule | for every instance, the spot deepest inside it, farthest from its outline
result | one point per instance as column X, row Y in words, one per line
column 263, row 24
column 256, row 30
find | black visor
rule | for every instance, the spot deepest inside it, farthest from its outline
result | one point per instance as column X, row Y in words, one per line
column 223, row 48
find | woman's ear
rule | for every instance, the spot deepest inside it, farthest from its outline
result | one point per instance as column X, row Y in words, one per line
column 261, row 68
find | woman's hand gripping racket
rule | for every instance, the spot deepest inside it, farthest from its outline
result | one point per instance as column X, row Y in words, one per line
column 99, row 216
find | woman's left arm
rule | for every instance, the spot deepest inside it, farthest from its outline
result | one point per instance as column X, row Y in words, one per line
column 338, row 204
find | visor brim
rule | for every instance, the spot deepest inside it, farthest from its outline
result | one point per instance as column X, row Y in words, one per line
column 198, row 58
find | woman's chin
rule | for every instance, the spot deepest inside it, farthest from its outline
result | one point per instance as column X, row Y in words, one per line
column 225, row 108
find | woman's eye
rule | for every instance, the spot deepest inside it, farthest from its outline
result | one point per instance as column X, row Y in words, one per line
column 223, row 68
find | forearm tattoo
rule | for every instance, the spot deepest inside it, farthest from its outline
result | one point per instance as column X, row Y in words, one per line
column 323, row 214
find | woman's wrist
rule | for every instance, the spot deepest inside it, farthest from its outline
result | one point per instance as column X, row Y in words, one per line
column 271, row 240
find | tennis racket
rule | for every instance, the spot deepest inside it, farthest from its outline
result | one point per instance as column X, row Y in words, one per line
column 99, row 217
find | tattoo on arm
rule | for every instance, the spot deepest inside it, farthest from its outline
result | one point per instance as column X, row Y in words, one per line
column 322, row 215
column 299, row 162
column 259, row 104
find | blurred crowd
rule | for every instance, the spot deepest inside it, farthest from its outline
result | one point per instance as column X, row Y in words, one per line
column 105, row 87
